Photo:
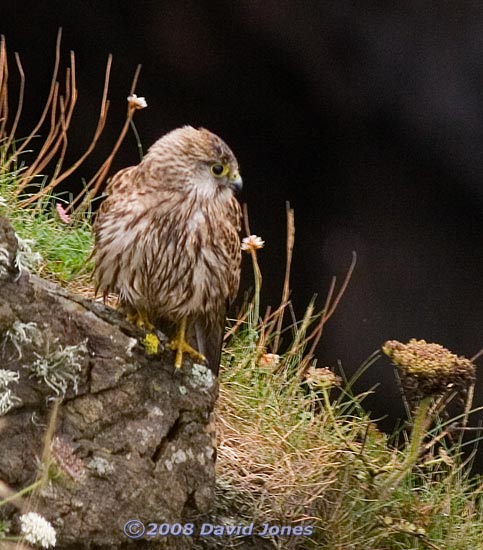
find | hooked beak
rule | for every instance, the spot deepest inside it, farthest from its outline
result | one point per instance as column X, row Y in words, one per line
column 236, row 183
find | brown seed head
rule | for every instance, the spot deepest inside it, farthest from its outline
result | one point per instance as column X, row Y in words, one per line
column 429, row 369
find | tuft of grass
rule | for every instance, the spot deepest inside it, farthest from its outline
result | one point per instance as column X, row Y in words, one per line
column 296, row 447
column 48, row 246
column 290, row 455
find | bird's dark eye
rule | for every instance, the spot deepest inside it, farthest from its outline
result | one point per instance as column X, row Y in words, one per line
column 218, row 170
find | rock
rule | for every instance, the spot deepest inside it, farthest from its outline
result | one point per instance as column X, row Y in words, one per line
column 132, row 437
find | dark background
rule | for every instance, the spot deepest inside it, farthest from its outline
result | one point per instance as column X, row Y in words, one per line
column 366, row 116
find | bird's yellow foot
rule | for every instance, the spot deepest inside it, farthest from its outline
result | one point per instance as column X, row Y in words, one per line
column 140, row 320
column 180, row 345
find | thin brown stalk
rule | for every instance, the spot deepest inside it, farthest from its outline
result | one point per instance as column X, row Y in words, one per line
column 298, row 341
column 34, row 168
column 50, row 100
column 98, row 131
column 67, row 106
column 470, row 394
column 257, row 274
column 62, row 135
column 317, row 332
column 240, row 320
column 288, row 265
column 331, row 306
column 272, row 321
column 262, row 338
column 19, row 104
column 246, row 221
column 45, row 460
column 343, row 288
column 93, row 186
column 3, row 62
column 55, row 140
column 3, row 87
column 477, row 355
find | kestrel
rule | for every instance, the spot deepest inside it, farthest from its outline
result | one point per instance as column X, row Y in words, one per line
column 167, row 240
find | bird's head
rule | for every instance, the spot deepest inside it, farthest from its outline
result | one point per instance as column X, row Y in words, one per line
column 197, row 159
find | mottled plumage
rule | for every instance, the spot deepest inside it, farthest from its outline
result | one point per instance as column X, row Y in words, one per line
column 166, row 237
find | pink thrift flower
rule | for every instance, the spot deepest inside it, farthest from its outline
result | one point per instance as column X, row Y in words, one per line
column 62, row 213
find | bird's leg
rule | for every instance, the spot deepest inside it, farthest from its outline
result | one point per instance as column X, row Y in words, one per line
column 181, row 346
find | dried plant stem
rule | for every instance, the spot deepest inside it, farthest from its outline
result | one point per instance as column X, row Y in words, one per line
column 19, row 494
column 288, row 266
column 299, row 341
column 421, row 422
column 3, row 89
column 95, row 183
column 57, row 136
column 99, row 129
column 56, row 116
column 50, row 99
column 331, row 305
column 241, row 319
column 45, row 460
column 257, row 274
column 48, row 437
column 21, row 92
column 469, row 399
column 335, row 422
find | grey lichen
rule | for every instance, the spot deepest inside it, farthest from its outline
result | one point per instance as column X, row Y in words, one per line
column 101, row 466
column 132, row 343
column 178, row 457
column 20, row 334
column 60, row 368
column 4, row 263
column 155, row 412
column 202, row 377
column 26, row 256
column 7, row 398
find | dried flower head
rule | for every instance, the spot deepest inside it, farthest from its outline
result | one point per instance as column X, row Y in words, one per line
column 253, row 242
column 37, row 530
column 269, row 360
column 136, row 102
column 429, row 369
column 322, row 378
